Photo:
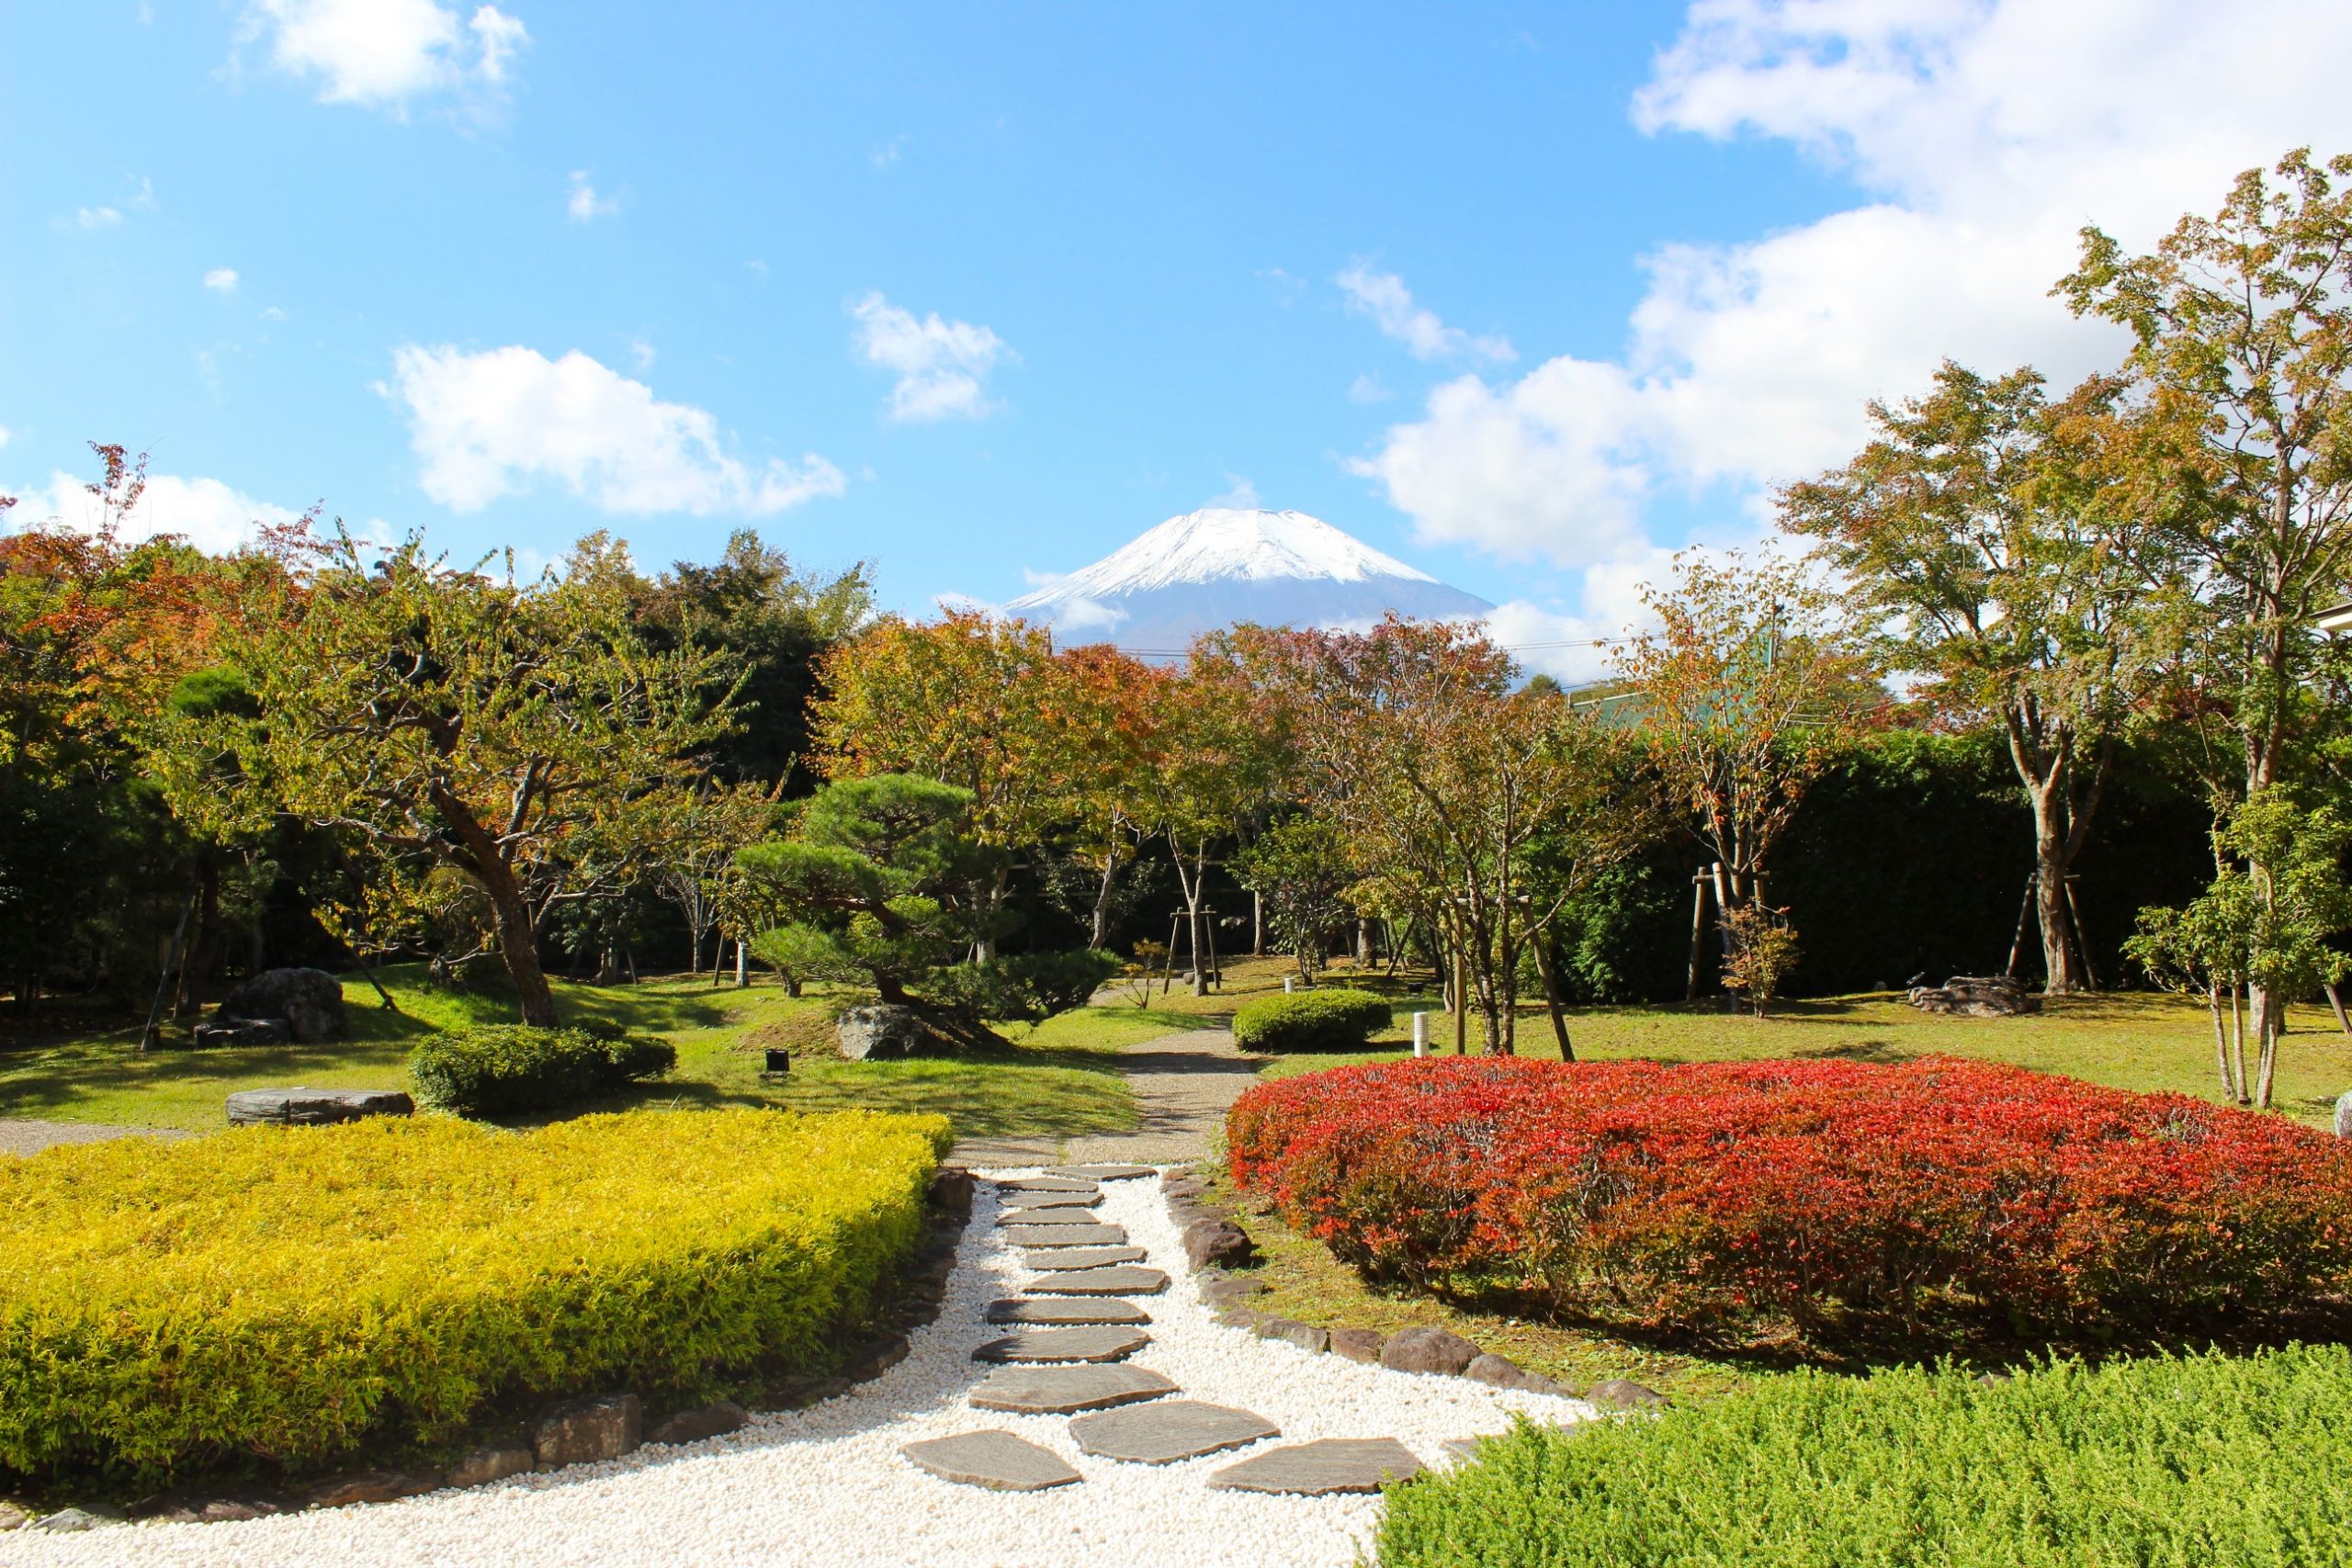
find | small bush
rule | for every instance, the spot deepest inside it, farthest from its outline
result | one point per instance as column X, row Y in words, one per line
column 2209, row 1460
column 1310, row 1020
column 1834, row 1200
column 502, row 1069
column 301, row 1292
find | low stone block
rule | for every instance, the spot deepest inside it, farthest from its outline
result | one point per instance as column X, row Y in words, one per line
column 1061, row 1391
column 1069, row 1309
column 1101, row 1172
column 368, row 1486
column 1057, row 1216
column 702, row 1423
column 1501, row 1372
column 1062, row 1259
column 314, row 1106
column 1358, row 1344
column 1103, row 1342
column 1066, row 1236
column 800, row 1392
column 1024, row 1203
column 1182, row 1186
column 875, row 1357
column 584, row 1431
column 1428, row 1351
column 224, row 1033
column 1119, row 1280
column 192, row 1506
column 1225, row 1290
column 1305, row 1335
column 1169, row 1429
column 1321, row 1468
column 999, row 1461
column 1046, row 1184
column 1623, row 1394
column 485, row 1465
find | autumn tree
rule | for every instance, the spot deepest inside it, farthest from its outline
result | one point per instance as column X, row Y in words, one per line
column 1113, row 700
column 1299, row 867
column 2241, row 352
column 1746, row 688
column 1977, row 532
column 518, row 734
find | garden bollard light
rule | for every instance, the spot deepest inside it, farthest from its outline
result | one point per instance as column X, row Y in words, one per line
column 1420, row 1035
column 1286, row 979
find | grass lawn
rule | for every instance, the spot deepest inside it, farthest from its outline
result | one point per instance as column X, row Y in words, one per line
column 1058, row 1080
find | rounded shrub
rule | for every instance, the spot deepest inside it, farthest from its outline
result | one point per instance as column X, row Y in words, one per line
column 1336, row 1019
column 502, row 1069
column 303, row 1293
column 1921, row 1202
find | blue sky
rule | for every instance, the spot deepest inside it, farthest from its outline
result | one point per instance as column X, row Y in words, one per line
column 1527, row 295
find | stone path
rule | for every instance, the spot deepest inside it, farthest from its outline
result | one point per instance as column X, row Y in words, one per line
column 1183, row 1084
column 23, row 1135
column 1079, row 1368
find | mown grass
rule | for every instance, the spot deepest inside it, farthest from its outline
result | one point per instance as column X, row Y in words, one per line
column 1060, row 1080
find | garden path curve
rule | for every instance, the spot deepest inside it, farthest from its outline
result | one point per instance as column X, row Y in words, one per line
column 1183, row 1084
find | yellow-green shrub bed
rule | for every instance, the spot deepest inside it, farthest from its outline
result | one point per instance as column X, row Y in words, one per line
column 298, row 1293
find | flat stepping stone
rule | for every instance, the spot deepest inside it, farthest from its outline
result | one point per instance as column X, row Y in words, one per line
column 1170, row 1429
column 1062, row 1259
column 1021, row 1202
column 1066, row 1236
column 1102, row 1343
column 1119, row 1280
column 996, row 1459
column 1101, row 1172
column 1066, row 1309
column 1046, row 1184
column 1060, row 1391
column 1321, row 1468
column 1048, row 1217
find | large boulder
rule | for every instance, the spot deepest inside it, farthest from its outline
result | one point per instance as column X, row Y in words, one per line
column 310, row 1000
column 227, row 1032
column 882, row 1031
column 1976, row 996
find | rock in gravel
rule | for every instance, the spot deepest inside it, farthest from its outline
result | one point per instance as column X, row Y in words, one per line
column 1428, row 1351
column 1181, row 1186
column 369, row 1486
column 1099, row 1343
column 1305, row 1335
column 1169, row 1429
column 1101, row 1172
column 1319, row 1469
column 1119, row 1280
column 997, row 1459
column 716, row 1420
column 1217, row 1242
column 1358, row 1344
column 12, row 1517
column 582, row 1431
column 1062, row 1259
column 1047, row 1217
column 187, row 1505
column 1046, row 1184
column 1241, row 1317
column 873, row 1357
column 1022, row 1202
column 1224, row 1289
column 483, row 1466
column 314, row 1106
column 1059, row 1391
column 1501, row 1372
column 800, row 1392
column 1624, row 1394
column 951, row 1190
column 1066, row 1236
column 66, row 1521
column 1069, row 1309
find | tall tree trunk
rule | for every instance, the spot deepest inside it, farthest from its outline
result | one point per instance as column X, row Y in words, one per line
column 1363, row 942
column 2045, row 792
column 205, row 950
column 2221, row 1041
column 1100, row 934
column 985, row 949
column 518, row 945
column 1552, row 1002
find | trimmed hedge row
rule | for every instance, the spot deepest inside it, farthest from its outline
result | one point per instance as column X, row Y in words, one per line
column 1921, row 1202
column 2203, row 1462
column 295, row 1293
column 1337, row 1019
column 501, row 1070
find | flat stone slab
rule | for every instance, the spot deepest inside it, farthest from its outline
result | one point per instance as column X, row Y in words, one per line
column 1066, row 1309
column 1167, row 1431
column 1066, row 1236
column 1101, row 1172
column 1059, row 1391
column 314, row 1106
column 995, row 1459
column 1062, row 1259
column 1102, row 1343
column 1119, row 1280
column 1047, row 1217
column 1321, row 1468
column 1026, row 1202
column 1046, row 1184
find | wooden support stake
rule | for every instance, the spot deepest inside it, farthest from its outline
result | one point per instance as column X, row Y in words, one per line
column 1698, row 932
column 2082, row 944
column 163, row 982
column 2025, row 915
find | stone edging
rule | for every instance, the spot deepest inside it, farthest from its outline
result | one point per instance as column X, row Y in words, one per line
column 1215, row 1240
column 575, row 1431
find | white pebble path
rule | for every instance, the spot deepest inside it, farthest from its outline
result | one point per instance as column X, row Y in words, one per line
column 826, row 1486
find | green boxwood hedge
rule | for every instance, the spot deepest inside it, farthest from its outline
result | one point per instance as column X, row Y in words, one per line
column 2207, row 1462
column 1337, row 1019
column 501, row 1069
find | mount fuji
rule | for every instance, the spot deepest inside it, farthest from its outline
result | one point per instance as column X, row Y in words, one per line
column 1220, row 566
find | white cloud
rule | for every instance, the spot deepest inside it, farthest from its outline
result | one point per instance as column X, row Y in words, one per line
column 272, row 313
column 1383, row 297
column 1983, row 134
column 1367, row 389
column 1242, row 496
column 205, row 512
column 586, row 204
column 382, row 54
column 487, row 424
column 642, row 353
column 885, row 154
column 222, row 279
column 97, row 217
column 942, row 366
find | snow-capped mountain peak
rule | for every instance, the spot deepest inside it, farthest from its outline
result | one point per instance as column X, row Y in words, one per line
column 1219, row 542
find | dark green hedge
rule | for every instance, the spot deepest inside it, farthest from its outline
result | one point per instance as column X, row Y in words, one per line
column 501, row 1069
column 2209, row 1462
column 1336, row 1019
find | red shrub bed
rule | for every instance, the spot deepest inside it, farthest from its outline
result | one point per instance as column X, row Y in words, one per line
column 1822, row 1197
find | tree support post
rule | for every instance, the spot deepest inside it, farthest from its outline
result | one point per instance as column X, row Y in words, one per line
column 164, row 982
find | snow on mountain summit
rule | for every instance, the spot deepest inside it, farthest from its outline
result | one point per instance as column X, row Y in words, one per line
column 1220, row 565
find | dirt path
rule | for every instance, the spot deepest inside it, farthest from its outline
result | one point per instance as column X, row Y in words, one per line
column 1183, row 1084
column 23, row 1136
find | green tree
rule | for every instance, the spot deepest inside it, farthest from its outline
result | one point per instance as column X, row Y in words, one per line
column 1299, row 866
column 518, row 734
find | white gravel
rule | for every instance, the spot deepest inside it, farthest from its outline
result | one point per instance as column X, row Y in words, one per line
column 825, row 1486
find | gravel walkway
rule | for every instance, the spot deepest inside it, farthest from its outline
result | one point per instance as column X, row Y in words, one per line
column 827, row 1486
column 1183, row 1084
column 19, row 1135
